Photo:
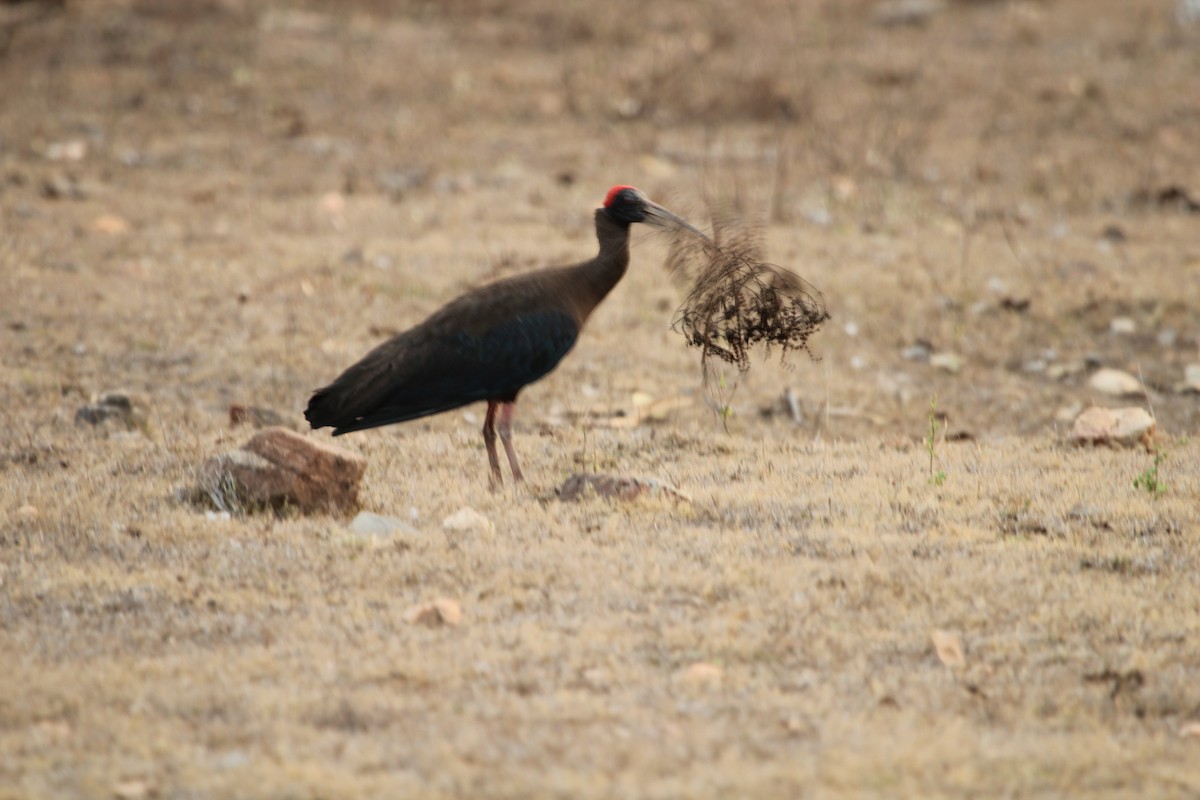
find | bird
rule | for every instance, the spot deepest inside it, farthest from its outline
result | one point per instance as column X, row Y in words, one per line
column 490, row 343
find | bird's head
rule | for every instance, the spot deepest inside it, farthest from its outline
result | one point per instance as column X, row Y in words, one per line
column 627, row 205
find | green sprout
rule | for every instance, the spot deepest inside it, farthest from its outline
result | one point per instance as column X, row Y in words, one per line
column 1149, row 479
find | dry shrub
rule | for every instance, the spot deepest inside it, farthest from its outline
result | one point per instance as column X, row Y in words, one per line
column 737, row 300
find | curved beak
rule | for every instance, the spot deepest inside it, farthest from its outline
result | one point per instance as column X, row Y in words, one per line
column 659, row 217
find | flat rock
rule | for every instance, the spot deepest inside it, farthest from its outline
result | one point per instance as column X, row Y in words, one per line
column 1115, row 383
column 277, row 469
column 368, row 524
column 1120, row 426
column 617, row 487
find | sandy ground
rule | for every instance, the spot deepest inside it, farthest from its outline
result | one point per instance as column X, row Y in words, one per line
column 208, row 203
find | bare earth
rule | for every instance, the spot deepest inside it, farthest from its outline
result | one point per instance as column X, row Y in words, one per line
column 219, row 201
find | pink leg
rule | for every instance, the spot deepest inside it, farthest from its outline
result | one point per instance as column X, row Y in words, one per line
column 489, row 441
column 505, row 430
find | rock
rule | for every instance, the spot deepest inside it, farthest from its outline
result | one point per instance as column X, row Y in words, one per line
column 950, row 362
column 442, row 611
column 1058, row 372
column 1187, row 12
column 116, row 407
column 949, row 648
column 1122, row 426
column 131, row 790
column 71, row 150
column 1068, row 413
column 466, row 519
column 616, row 487
column 1033, row 366
column 378, row 526
column 60, row 187
column 28, row 513
column 701, row 675
column 333, row 203
column 277, row 469
column 893, row 13
column 1191, row 380
column 110, row 224
column 231, row 759
column 1116, row 383
column 1122, row 326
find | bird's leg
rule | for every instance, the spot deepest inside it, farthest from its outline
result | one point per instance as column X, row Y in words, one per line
column 489, row 441
column 505, row 430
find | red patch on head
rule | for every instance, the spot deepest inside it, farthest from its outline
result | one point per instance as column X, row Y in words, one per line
column 612, row 194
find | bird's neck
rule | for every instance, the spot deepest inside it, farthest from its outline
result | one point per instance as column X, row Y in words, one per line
column 598, row 276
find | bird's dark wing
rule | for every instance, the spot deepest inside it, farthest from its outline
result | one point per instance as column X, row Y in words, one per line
column 437, row 368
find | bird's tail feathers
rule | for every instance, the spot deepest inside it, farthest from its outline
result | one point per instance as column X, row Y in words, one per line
column 324, row 408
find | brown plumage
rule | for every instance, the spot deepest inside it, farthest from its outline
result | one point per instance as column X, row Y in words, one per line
column 490, row 343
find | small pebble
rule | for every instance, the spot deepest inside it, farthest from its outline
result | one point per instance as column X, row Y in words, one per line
column 701, row 674
column 1122, row 326
column 442, row 611
column 949, row 648
column 71, row 150
column 949, row 362
column 110, row 224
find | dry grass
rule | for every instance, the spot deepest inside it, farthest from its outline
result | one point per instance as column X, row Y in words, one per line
column 739, row 305
column 297, row 185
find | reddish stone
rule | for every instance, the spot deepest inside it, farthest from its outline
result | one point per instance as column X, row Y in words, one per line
column 281, row 469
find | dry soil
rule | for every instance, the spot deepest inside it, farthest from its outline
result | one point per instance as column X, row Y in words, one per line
column 221, row 201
